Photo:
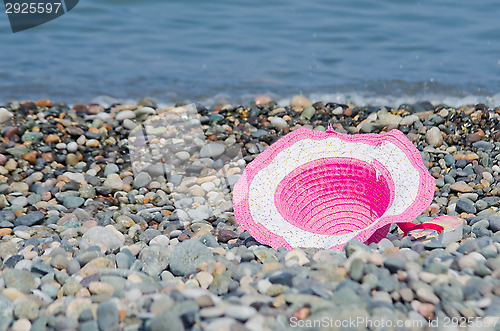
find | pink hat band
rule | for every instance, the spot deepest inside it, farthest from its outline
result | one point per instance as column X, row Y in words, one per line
column 321, row 189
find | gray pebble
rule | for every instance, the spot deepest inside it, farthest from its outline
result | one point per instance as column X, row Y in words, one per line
column 6, row 312
column 23, row 280
column 154, row 259
column 212, row 150
column 494, row 223
column 111, row 168
column 166, row 321
column 30, row 219
column 142, row 180
column 107, row 316
column 465, row 205
column 186, row 256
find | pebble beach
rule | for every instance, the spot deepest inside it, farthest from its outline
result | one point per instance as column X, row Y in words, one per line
column 92, row 240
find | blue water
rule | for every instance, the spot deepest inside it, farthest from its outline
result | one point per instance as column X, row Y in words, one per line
column 364, row 51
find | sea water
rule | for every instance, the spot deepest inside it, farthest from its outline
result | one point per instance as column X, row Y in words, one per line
column 360, row 51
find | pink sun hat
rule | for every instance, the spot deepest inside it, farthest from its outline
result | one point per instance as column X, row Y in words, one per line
column 324, row 188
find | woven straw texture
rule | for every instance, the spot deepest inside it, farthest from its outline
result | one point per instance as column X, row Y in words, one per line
column 321, row 189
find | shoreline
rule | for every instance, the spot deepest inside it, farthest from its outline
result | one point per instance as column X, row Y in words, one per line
column 89, row 241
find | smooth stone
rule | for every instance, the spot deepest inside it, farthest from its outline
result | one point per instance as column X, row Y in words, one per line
column 279, row 123
column 465, row 205
column 5, row 115
column 166, row 321
column 470, row 196
column 487, row 146
column 30, row 219
column 114, row 182
column 107, row 316
column 308, row 113
column 200, row 214
column 356, row 270
column 226, row 235
column 22, row 280
column 461, row 187
column 154, row 259
column 111, row 168
column 467, row 261
column 353, row 245
column 434, row 137
column 186, row 256
column 33, row 137
column 212, row 150
column 73, row 267
column 125, row 114
column 71, row 202
column 87, row 191
column 142, row 180
column 494, row 223
column 449, row 160
column 394, row 264
column 129, row 124
column 20, row 201
column 6, row 313
column 25, row 308
column 385, row 118
column 72, row 147
column 426, row 295
column 124, row 260
column 299, row 101
column 241, row 313
column 182, row 155
column 101, row 237
column 22, row 324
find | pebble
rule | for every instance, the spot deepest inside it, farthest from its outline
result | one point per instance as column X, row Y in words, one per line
column 142, row 180
column 125, row 114
column 461, row 187
column 22, row 280
column 30, row 219
column 300, row 101
column 241, row 313
column 107, row 316
column 102, row 237
column 434, row 137
column 5, row 115
column 114, row 182
column 186, row 256
column 465, row 205
column 212, row 150
column 279, row 123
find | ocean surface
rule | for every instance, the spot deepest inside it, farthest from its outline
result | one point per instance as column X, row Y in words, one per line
column 362, row 51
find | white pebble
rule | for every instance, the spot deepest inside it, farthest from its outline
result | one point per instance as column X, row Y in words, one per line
column 208, row 186
column 61, row 146
column 22, row 234
column 22, row 324
column 125, row 114
column 279, row 123
column 81, row 140
column 72, row 147
column 128, row 124
column 182, row 155
column 5, row 115
column 160, row 240
column 338, row 111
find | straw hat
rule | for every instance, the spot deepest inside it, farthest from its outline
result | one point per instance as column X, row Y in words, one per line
column 323, row 188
